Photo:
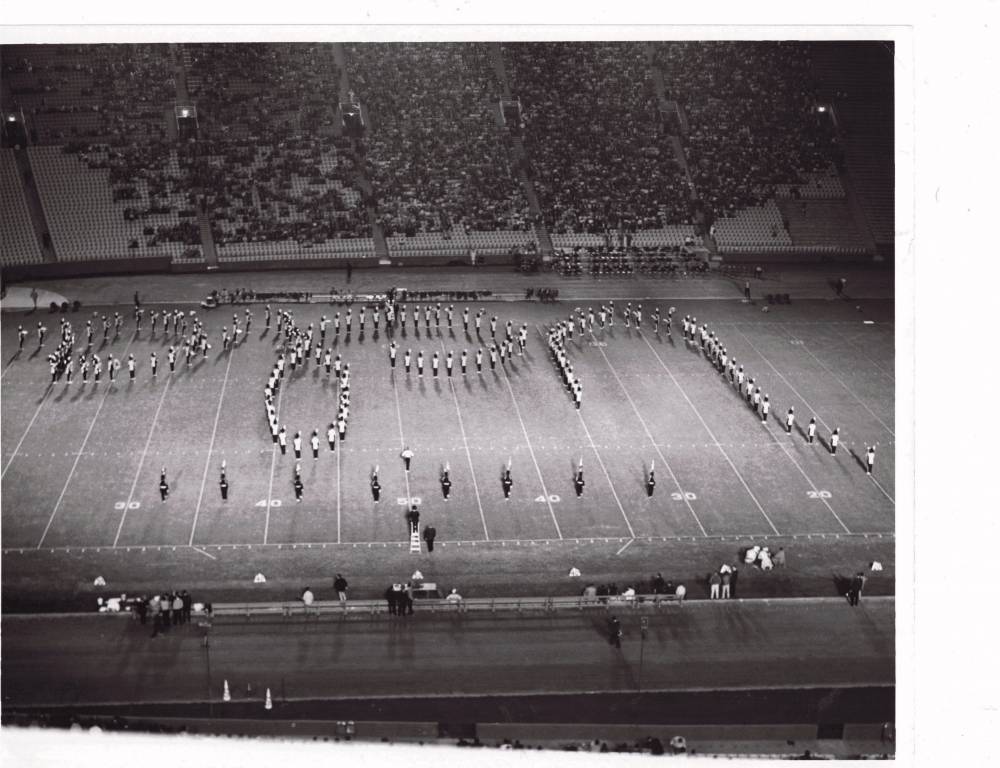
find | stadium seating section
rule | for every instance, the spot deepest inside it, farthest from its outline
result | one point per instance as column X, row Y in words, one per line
column 271, row 175
column 17, row 240
column 435, row 151
column 596, row 155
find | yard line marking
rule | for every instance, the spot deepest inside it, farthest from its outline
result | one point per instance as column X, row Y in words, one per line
column 610, row 484
column 211, row 445
column 402, row 440
column 653, row 441
column 468, row 453
column 142, row 460
column 884, row 492
column 17, row 447
column 852, row 341
column 807, row 478
column 274, row 455
column 79, row 453
column 807, row 404
column 524, row 429
column 13, row 359
column 707, row 429
column 625, row 546
column 781, row 376
column 203, row 552
column 843, row 384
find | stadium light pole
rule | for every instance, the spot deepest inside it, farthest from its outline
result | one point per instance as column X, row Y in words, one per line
column 643, row 630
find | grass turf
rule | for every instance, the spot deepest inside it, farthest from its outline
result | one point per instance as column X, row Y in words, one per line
column 81, row 464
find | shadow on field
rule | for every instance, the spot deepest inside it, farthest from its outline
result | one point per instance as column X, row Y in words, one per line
column 858, row 459
column 842, row 584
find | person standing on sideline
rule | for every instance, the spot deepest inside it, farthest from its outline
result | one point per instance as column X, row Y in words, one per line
column 392, row 354
column 314, row 444
column 464, row 361
column 727, row 580
column 420, row 363
column 153, row 362
column 650, row 483
column 340, row 585
column 164, row 487
column 21, row 336
column 297, row 445
column 407, row 456
column 857, row 585
column 746, row 290
column 834, row 440
column 331, row 436
column 789, row 419
column 614, row 632
column 714, row 582
column 407, row 357
column 869, row 459
column 376, row 488
column 449, row 362
column 430, row 533
column 811, row 430
column 479, row 360
column 282, row 439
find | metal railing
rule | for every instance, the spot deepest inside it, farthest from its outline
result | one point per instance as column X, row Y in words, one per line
column 287, row 609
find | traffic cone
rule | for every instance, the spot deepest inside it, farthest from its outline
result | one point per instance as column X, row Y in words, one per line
column 225, row 690
column 267, row 701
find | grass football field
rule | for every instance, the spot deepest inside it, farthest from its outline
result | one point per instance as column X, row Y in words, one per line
column 81, row 463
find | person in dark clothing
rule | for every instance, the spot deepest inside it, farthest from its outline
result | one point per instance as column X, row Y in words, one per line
column 430, row 533
column 857, row 585
column 390, row 597
column 578, row 483
column 658, row 584
column 405, row 604
column 413, row 518
column 376, row 488
column 140, row 608
column 506, row 482
column 445, row 484
column 186, row 599
column 615, row 632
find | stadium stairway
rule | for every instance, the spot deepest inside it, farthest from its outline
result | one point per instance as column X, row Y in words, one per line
column 207, row 241
column 31, row 197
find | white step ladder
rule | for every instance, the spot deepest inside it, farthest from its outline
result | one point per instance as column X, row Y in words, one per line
column 414, row 542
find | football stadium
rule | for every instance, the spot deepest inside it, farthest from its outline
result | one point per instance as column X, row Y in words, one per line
column 531, row 395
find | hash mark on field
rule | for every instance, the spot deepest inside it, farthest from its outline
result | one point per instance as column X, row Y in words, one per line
column 708, row 429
